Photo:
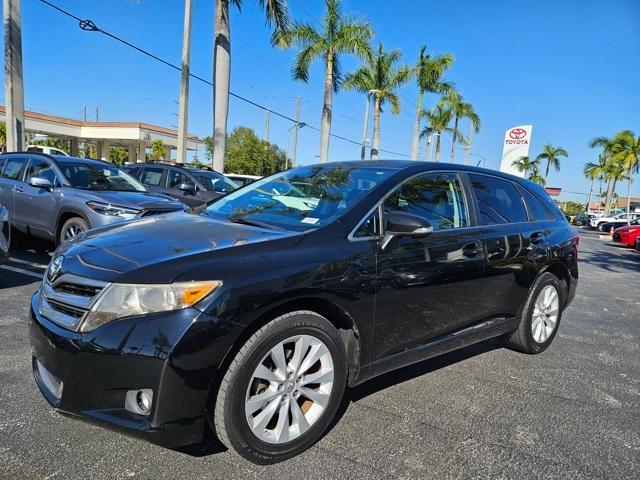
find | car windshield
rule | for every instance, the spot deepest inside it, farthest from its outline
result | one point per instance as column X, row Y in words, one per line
column 299, row 199
column 97, row 176
column 215, row 181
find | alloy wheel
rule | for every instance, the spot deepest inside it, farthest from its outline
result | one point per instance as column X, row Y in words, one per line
column 72, row 231
column 290, row 389
column 545, row 314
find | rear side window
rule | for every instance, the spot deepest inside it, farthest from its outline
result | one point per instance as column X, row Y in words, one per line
column 536, row 210
column 152, row 176
column 12, row 168
column 2, row 160
column 498, row 200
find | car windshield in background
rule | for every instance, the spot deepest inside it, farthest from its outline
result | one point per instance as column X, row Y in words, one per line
column 94, row 176
column 299, row 199
column 214, row 181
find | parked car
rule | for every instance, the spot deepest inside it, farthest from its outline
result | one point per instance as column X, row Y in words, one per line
column 607, row 226
column 5, row 234
column 622, row 218
column 627, row 234
column 57, row 198
column 254, row 316
column 638, row 244
column 242, row 180
column 196, row 187
column 47, row 150
column 583, row 219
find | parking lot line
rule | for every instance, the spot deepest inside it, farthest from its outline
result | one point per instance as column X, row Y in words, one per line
column 26, row 262
column 21, row 271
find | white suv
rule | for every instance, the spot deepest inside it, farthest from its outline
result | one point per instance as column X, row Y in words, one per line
column 599, row 221
column 47, row 150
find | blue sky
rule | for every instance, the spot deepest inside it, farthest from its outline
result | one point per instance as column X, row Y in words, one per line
column 571, row 68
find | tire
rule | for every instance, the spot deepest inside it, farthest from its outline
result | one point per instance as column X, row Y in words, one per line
column 279, row 439
column 533, row 334
column 74, row 224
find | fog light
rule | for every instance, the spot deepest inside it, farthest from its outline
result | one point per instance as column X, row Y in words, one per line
column 139, row 401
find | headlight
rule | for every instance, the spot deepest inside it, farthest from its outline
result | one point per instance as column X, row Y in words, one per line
column 111, row 210
column 120, row 300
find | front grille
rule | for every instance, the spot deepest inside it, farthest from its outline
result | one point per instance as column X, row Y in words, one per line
column 67, row 299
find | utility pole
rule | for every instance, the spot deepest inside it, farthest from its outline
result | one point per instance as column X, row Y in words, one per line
column 84, row 112
column 365, row 130
column 267, row 119
column 295, row 132
column 97, row 114
column 183, row 107
column 13, row 87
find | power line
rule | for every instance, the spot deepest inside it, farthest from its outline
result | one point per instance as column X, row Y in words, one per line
column 90, row 26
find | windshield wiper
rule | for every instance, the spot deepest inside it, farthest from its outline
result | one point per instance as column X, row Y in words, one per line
column 254, row 223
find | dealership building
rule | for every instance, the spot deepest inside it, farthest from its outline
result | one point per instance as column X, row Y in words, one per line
column 135, row 136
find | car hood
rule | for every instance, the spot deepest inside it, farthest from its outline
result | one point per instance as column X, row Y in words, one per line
column 143, row 200
column 160, row 248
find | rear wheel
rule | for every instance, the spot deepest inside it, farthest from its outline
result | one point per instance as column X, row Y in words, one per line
column 541, row 315
column 72, row 228
column 282, row 389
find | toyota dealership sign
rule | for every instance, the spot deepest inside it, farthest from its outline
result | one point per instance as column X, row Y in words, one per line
column 516, row 145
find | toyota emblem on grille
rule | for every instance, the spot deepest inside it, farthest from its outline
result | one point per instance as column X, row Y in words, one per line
column 54, row 267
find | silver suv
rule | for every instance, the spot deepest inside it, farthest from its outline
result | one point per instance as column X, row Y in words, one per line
column 56, row 197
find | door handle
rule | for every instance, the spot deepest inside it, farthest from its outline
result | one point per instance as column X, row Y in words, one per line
column 472, row 250
column 18, row 189
column 537, row 238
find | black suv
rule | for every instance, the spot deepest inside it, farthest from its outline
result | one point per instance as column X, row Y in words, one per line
column 252, row 318
column 196, row 187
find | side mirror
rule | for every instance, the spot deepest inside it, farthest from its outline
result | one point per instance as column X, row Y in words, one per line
column 400, row 224
column 187, row 187
column 40, row 182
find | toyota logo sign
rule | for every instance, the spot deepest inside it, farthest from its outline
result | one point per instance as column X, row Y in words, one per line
column 517, row 133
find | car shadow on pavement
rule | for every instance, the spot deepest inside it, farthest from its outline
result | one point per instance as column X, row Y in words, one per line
column 628, row 261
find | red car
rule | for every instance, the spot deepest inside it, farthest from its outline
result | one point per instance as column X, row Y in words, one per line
column 627, row 235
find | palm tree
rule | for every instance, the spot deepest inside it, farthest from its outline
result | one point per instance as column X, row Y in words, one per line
column 158, row 150
column 438, row 120
column 595, row 171
column 460, row 109
column 277, row 14
column 610, row 172
column 551, row 154
column 428, row 72
column 535, row 177
column 380, row 77
column 526, row 165
column 625, row 152
column 339, row 34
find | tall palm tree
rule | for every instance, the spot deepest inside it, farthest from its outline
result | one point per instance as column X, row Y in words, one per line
column 552, row 155
column 381, row 76
column 625, row 152
column 610, row 172
column 339, row 34
column 428, row 73
column 595, row 171
column 460, row 109
column 276, row 14
column 438, row 120
column 526, row 165
column 535, row 177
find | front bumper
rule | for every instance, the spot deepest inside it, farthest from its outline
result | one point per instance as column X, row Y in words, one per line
column 175, row 354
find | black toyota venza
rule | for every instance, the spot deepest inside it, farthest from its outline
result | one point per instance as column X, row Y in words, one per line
column 252, row 318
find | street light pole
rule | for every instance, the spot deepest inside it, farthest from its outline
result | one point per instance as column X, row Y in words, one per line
column 13, row 87
column 295, row 132
column 183, row 107
column 365, row 130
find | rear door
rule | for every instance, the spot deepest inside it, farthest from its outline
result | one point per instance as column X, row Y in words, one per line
column 11, row 178
column 36, row 206
column 516, row 242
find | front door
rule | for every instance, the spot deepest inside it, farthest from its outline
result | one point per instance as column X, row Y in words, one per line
column 174, row 179
column 430, row 286
column 35, row 206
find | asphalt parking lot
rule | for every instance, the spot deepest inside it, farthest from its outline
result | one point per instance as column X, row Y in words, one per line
column 483, row 412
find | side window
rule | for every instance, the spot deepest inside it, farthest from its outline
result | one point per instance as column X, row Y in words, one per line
column 12, row 168
column 370, row 227
column 152, row 176
column 2, row 161
column 536, row 210
column 176, row 177
column 437, row 197
column 40, row 168
column 498, row 200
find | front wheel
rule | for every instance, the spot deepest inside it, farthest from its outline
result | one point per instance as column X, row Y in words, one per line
column 541, row 315
column 282, row 389
column 72, row 228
